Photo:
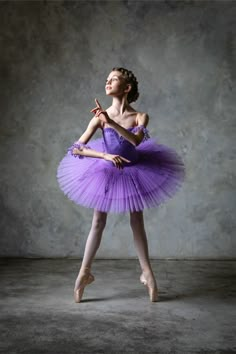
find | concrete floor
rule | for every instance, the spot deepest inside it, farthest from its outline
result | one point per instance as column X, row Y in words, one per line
column 195, row 312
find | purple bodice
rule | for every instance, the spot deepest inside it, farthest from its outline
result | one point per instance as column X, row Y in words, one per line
column 118, row 145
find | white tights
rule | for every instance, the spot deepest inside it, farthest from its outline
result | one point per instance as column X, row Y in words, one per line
column 94, row 237
column 139, row 234
column 140, row 241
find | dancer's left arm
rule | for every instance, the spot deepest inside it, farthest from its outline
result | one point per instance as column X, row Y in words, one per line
column 133, row 138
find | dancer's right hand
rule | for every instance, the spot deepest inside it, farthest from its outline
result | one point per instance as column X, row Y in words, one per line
column 116, row 159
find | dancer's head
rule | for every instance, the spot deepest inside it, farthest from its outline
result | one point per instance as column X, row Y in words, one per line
column 121, row 80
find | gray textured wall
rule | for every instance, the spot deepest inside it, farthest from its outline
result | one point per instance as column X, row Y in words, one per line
column 55, row 57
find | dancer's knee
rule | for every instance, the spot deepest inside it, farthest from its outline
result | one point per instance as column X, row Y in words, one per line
column 99, row 221
column 136, row 220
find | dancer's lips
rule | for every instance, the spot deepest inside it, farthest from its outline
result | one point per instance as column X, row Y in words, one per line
column 108, row 88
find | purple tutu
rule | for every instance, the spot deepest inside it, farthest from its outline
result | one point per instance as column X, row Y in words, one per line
column 154, row 174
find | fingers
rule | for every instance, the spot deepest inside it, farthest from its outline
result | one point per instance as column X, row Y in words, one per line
column 118, row 161
column 97, row 107
column 124, row 159
column 94, row 109
column 97, row 103
column 98, row 112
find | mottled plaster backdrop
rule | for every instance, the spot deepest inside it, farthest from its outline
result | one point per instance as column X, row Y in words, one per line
column 55, row 57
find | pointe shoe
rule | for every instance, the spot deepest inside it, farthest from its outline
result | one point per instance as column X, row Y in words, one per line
column 153, row 291
column 86, row 279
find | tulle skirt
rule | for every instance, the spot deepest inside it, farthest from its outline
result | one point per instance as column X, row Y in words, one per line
column 96, row 183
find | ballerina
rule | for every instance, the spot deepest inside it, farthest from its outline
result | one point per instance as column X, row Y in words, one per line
column 124, row 171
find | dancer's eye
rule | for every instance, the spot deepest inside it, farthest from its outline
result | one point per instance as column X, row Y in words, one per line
column 112, row 79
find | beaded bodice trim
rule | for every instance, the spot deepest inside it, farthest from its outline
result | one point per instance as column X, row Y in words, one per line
column 133, row 129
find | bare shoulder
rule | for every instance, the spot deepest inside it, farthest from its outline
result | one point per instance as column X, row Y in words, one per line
column 142, row 118
column 95, row 122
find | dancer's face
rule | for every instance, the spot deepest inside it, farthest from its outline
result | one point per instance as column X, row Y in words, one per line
column 116, row 84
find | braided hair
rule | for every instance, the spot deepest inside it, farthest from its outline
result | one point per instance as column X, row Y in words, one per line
column 128, row 75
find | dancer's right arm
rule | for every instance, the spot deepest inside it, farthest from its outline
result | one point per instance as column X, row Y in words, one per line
column 93, row 125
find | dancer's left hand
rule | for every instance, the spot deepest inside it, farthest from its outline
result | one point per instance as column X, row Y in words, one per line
column 100, row 113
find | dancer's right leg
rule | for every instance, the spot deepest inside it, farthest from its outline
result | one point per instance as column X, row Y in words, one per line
column 92, row 245
column 94, row 237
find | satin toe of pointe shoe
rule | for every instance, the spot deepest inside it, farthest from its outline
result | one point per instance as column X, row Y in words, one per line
column 86, row 279
column 152, row 290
